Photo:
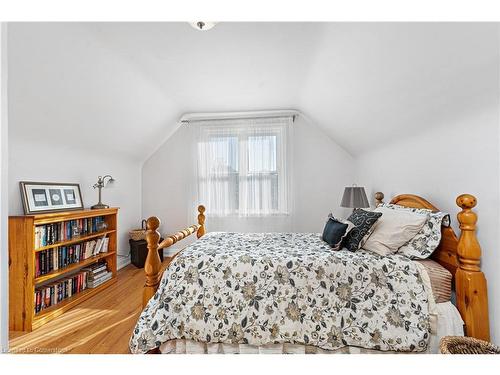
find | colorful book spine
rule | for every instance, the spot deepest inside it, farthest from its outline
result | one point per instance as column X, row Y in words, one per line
column 50, row 234
column 52, row 294
column 58, row 258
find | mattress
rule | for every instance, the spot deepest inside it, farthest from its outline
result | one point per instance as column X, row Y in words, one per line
column 440, row 279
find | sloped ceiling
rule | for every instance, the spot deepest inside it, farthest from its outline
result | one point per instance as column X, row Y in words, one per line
column 122, row 87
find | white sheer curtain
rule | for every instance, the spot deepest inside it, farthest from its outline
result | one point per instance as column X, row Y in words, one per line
column 243, row 166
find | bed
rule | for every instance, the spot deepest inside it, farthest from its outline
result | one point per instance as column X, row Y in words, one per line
column 289, row 293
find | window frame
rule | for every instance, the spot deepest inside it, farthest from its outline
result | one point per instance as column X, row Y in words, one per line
column 243, row 133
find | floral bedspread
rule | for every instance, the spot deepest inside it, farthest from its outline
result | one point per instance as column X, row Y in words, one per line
column 263, row 288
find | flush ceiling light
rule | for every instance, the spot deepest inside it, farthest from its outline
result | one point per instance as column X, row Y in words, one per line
column 202, row 25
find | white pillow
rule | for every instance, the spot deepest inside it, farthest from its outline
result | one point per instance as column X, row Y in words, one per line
column 392, row 230
column 428, row 238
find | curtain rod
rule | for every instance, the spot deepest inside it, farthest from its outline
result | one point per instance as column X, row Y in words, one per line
column 239, row 116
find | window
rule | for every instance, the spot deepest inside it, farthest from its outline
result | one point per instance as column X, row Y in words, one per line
column 242, row 166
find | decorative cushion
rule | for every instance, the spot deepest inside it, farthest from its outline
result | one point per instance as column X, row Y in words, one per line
column 440, row 280
column 428, row 238
column 393, row 230
column 335, row 230
column 363, row 221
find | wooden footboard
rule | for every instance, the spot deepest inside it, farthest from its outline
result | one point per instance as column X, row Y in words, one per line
column 153, row 266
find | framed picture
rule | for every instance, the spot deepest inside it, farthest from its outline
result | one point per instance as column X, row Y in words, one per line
column 41, row 197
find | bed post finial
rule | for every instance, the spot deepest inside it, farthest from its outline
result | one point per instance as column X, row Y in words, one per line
column 201, row 221
column 379, row 198
column 471, row 288
column 152, row 266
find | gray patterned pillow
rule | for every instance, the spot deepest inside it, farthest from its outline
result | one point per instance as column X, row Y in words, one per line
column 363, row 221
column 428, row 238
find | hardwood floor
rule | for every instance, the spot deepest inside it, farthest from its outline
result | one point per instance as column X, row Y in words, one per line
column 101, row 324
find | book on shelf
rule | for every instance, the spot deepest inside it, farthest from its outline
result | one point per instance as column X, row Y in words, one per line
column 54, row 259
column 102, row 275
column 57, row 291
column 97, row 274
column 102, row 245
column 95, row 269
column 89, row 248
column 95, row 283
column 105, row 245
column 50, row 234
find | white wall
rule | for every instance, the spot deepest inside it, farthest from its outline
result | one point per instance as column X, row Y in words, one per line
column 54, row 132
column 439, row 165
column 46, row 162
column 321, row 170
column 4, row 268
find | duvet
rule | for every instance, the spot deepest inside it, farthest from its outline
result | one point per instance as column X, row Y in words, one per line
column 263, row 288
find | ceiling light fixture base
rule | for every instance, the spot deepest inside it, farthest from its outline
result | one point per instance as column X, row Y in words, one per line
column 202, row 25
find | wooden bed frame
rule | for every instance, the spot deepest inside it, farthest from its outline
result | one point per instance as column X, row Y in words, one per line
column 461, row 256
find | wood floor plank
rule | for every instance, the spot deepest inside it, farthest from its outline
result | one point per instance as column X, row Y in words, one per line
column 102, row 324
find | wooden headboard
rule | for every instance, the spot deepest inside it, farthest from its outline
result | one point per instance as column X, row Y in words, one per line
column 462, row 257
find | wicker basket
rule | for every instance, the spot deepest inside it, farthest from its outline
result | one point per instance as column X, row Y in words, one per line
column 138, row 234
column 466, row 345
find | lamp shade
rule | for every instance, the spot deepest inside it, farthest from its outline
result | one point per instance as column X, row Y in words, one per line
column 355, row 197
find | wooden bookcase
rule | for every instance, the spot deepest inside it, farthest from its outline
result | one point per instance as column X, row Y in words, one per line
column 22, row 275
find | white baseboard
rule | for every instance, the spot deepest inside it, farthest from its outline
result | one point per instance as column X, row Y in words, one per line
column 123, row 261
